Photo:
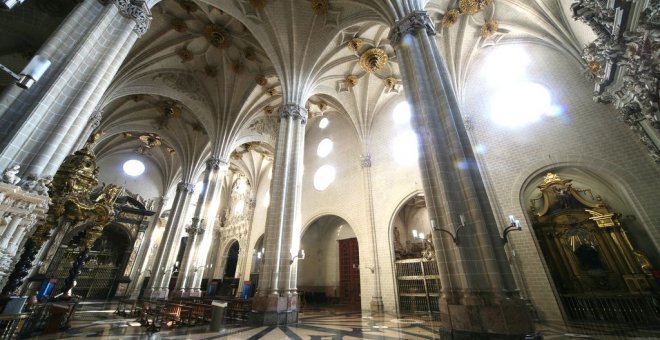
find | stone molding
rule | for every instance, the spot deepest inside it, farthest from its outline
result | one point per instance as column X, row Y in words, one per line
column 135, row 10
column 413, row 22
column 365, row 161
column 295, row 111
column 214, row 163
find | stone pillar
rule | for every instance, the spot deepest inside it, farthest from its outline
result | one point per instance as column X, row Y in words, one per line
column 479, row 296
column 10, row 231
column 376, row 304
column 216, row 169
column 187, row 269
column 276, row 300
column 140, row 266
column 169, row 243
column 39, row 126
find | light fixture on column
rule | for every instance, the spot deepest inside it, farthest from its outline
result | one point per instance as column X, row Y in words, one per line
column 7, row 5
column 31, row 73
column 454, row 236
column 300, row 255
column 515, row 225
column 260, row 254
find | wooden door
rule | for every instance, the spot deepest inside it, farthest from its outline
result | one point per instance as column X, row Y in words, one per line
column 349, row 271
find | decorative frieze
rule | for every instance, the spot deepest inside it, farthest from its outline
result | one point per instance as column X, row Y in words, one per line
column 294, row 111
column 412, row 23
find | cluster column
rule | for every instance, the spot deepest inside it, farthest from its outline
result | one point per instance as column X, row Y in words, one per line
column 478, row 290
column 165, row 257
column 200, row 234
column 39, row 127
column 276, row 300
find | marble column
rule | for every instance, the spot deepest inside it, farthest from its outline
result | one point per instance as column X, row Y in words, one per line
column 376, row 304
column 479, row 295
column 40, row 126
column 276, row 300
column 169, row 244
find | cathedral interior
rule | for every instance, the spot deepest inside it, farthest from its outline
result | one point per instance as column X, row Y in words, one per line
column 380, row 169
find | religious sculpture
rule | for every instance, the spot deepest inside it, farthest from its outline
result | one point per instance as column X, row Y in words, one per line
column 10, row 175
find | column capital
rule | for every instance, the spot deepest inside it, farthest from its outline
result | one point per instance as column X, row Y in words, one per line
column 365, row 160
column 214, row 163
column 137, row 10
column 295, row 111
column 413, row 22
column 185, row 187
column 95, row 119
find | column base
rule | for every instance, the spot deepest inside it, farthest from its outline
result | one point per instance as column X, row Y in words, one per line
column 273, row 318
column 376, row 304
column 156, row 293
column 505, row 320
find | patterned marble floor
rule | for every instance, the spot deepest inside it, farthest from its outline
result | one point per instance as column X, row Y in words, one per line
column 99, row 321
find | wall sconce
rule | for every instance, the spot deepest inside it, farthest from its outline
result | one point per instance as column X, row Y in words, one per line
column 454, row 237
column 260, row 254
column 300, row 255
column 515, row 225
column 31, row 73
column 7, row 5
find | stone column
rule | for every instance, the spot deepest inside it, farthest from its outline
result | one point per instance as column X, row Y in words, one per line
column 10, row 230
column 186, row 272
column 276, row 300
column 479, row 296
column 376, row 298
column 169, row 243
column 39, row 126
column 140, row 266
column 217, row 169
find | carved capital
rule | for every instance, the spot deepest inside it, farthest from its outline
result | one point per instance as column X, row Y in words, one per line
column 365, row 161
column 95, row 119
column 295, row 111
column 415, row 21
column 136, row 10
column 214, row 163
column 185, row 187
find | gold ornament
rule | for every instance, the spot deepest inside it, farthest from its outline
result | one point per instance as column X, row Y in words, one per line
column 489, row 28
column 320, row 7
column 184, row 54
column 373, row 60
column 355, row 44
column 450, row 17
column 473, row 6
column 351, row 80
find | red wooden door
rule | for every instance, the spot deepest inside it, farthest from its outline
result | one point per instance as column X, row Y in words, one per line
column 349, row 272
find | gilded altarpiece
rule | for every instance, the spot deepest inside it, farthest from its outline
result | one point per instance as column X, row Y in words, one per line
column 596, row 269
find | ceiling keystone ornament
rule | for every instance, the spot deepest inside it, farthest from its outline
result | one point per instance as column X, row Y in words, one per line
column 351, row 80
column 473, row 6
column 450, row 17
column 268, row 110
column 237, row 67
column 272, row 91
column 249, row 54
column 185, row 54
column 489, row 28
column 355, row 44
column 320, row 7
column 261, row 80
column 373, row 60
column 217, row 36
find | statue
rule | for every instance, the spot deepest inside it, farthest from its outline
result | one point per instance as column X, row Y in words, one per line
column 10, row 175
column 29, row 182
column 41, row 187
